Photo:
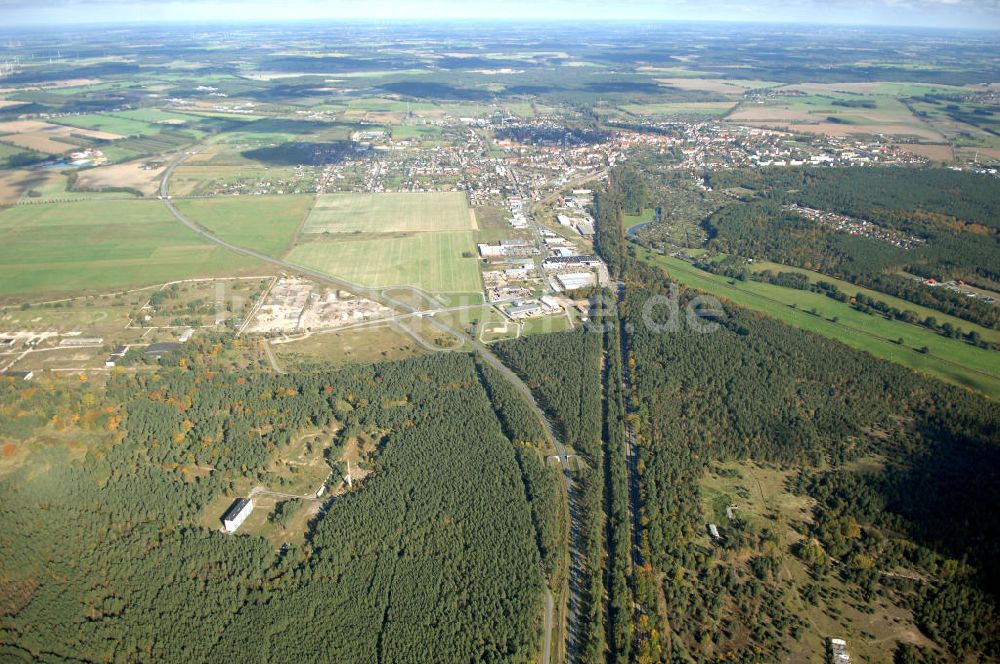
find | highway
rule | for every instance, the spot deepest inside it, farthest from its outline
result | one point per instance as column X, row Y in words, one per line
column 484, row 353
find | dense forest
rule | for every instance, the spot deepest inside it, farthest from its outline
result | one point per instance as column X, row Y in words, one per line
column 757, row 390
column 563, row 370
column 437, row 556
column 770, row 393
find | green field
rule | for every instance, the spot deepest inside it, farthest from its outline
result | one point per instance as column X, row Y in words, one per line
column 899, row 303
column 264, row 223
column 387, row 213
column 102, row 245
column 430, row 261
column 110, row 123
column 948, row 359
column 707, row 108
column 633, row 220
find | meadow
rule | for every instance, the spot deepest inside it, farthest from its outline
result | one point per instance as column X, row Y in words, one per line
column 113, row 124
column 264, row 223
column 389, row 213
column 101, row 245
column 431, row 261
column 949, row 359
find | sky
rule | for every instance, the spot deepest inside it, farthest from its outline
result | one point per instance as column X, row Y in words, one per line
column 984, row 14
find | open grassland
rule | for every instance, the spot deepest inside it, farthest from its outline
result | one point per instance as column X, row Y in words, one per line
column 388, row 213
column 264, row 223
column 336, row 348
column 761, row 497
column 948, row 359
column 101, row 245
column 431, row 261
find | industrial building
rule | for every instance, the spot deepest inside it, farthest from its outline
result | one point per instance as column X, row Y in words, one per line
column 521, row 310
column 574, row 280
column 588, row 260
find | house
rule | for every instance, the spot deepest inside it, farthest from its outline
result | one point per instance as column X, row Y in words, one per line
column 237, row 514
column 713, row 530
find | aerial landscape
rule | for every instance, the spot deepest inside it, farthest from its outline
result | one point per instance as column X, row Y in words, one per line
column 543, row 333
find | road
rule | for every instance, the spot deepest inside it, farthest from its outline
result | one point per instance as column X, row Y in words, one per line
column 487, row 356
column 271, row 358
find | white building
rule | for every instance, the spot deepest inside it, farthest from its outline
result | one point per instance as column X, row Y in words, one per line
column 838, row 652
column 574, row 280
column 237, row 514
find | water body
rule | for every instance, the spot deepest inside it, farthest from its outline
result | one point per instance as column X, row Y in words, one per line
column 635, row 229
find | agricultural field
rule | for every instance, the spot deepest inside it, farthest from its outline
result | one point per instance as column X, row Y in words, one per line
column 389, row 213
column 679, row 109
column 16, row 183
column 267, row 224
column 949, row 359
column 139, row 176
column 101, row 245
column 431, row 261
column 46, row 137
column 841, row 115
column 110, row 124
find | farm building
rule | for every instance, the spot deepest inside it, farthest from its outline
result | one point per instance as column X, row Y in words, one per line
column 237, row 514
